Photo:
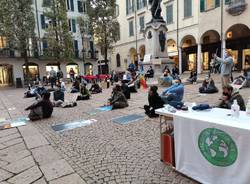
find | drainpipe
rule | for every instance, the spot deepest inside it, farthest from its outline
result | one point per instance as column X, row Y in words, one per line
column 136, row 44
column 223, row 44
column 38, row 30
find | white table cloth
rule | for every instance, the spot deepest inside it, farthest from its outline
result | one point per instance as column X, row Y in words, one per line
column 211, row 146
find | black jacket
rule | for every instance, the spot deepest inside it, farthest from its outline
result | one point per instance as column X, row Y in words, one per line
column 46, row 105
column 155, row 101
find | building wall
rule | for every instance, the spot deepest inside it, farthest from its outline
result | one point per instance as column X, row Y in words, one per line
column 195, row 26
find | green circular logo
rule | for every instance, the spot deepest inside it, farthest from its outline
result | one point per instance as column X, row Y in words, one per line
column 217, row 147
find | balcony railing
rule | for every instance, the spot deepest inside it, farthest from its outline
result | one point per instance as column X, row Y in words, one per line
column 236, row 7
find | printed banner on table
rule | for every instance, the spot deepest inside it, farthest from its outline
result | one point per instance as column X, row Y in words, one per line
column 211, row 153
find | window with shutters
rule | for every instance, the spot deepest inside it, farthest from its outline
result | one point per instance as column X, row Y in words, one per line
column 73, row 25
column 227, row 1
column 70, row 5
column 69, row 22
column 169, row 13
column 187, row 8
column 141, row 4
column 130, row 6
column 80, row 6
column 207, row 5
column 118, row 60
column 142, row 23
column 131, row 28
column 43, row 24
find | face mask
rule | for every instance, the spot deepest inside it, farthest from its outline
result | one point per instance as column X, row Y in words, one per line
column 225, row 55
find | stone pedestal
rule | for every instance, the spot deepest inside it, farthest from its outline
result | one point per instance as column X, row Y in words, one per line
column 156, row 36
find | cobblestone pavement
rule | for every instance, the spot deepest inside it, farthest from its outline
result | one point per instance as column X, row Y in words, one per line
column 103, row 152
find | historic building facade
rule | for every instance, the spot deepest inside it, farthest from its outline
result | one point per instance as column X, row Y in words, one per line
column 196, row 30
column 12, row 65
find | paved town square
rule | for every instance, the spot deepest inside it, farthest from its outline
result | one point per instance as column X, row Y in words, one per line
column 102, row 152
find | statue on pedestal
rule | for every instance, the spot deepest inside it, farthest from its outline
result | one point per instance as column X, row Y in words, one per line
column 156, row 9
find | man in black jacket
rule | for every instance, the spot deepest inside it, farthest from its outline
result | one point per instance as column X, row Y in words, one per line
column 41, row 109
column 228, row 97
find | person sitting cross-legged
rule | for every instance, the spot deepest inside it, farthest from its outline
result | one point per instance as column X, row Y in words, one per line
column 84, row 93
column 155, row 102
column 193, row 77
column 41, row 109
column 173, row 95
column 95, row 88
column 118, row 99
column 150, row 73
column 228, row 97
column 208, row 86
column 75, row 86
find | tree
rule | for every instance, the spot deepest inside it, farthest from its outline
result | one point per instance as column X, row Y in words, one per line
column 103, row 23
column 83, row 23
column 17, row 24
column 58, row 35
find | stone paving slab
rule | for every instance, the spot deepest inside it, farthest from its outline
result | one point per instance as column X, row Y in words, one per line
column 20, row 165
column 56, row 169
column 27, row 176
column 45, row 155
column 70, row 179
column 4, row 175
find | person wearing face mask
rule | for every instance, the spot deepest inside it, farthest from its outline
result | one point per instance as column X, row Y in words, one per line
column 208, row 86
column 228, row 97
column 226, row 65
column 173, row 94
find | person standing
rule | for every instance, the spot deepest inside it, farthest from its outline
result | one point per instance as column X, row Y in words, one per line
column 226, row 65
column 72, row 74
column 52, row 77
column 59, row 75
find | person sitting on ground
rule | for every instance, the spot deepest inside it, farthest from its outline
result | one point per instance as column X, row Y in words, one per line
column 150, row 73
column 118, row 100
column 41, row 109
column 75, row 87
column 166, row 79
column 35, row 91
column 174, row 94
column 228, row 97
column 208, row 86
column 85, row 95
column 193, row 77
column 125, row 89
column 175, row 72
column 155, row 102
column 59, row 94
column 95, row 88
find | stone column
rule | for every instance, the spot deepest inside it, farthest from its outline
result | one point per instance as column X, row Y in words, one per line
column 180, row 60
column 199, row 61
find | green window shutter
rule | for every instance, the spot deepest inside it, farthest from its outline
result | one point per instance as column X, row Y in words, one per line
column 169, row 14
column 227, row 1
column 73, row 25
column 202, row 5
column 217, row 3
